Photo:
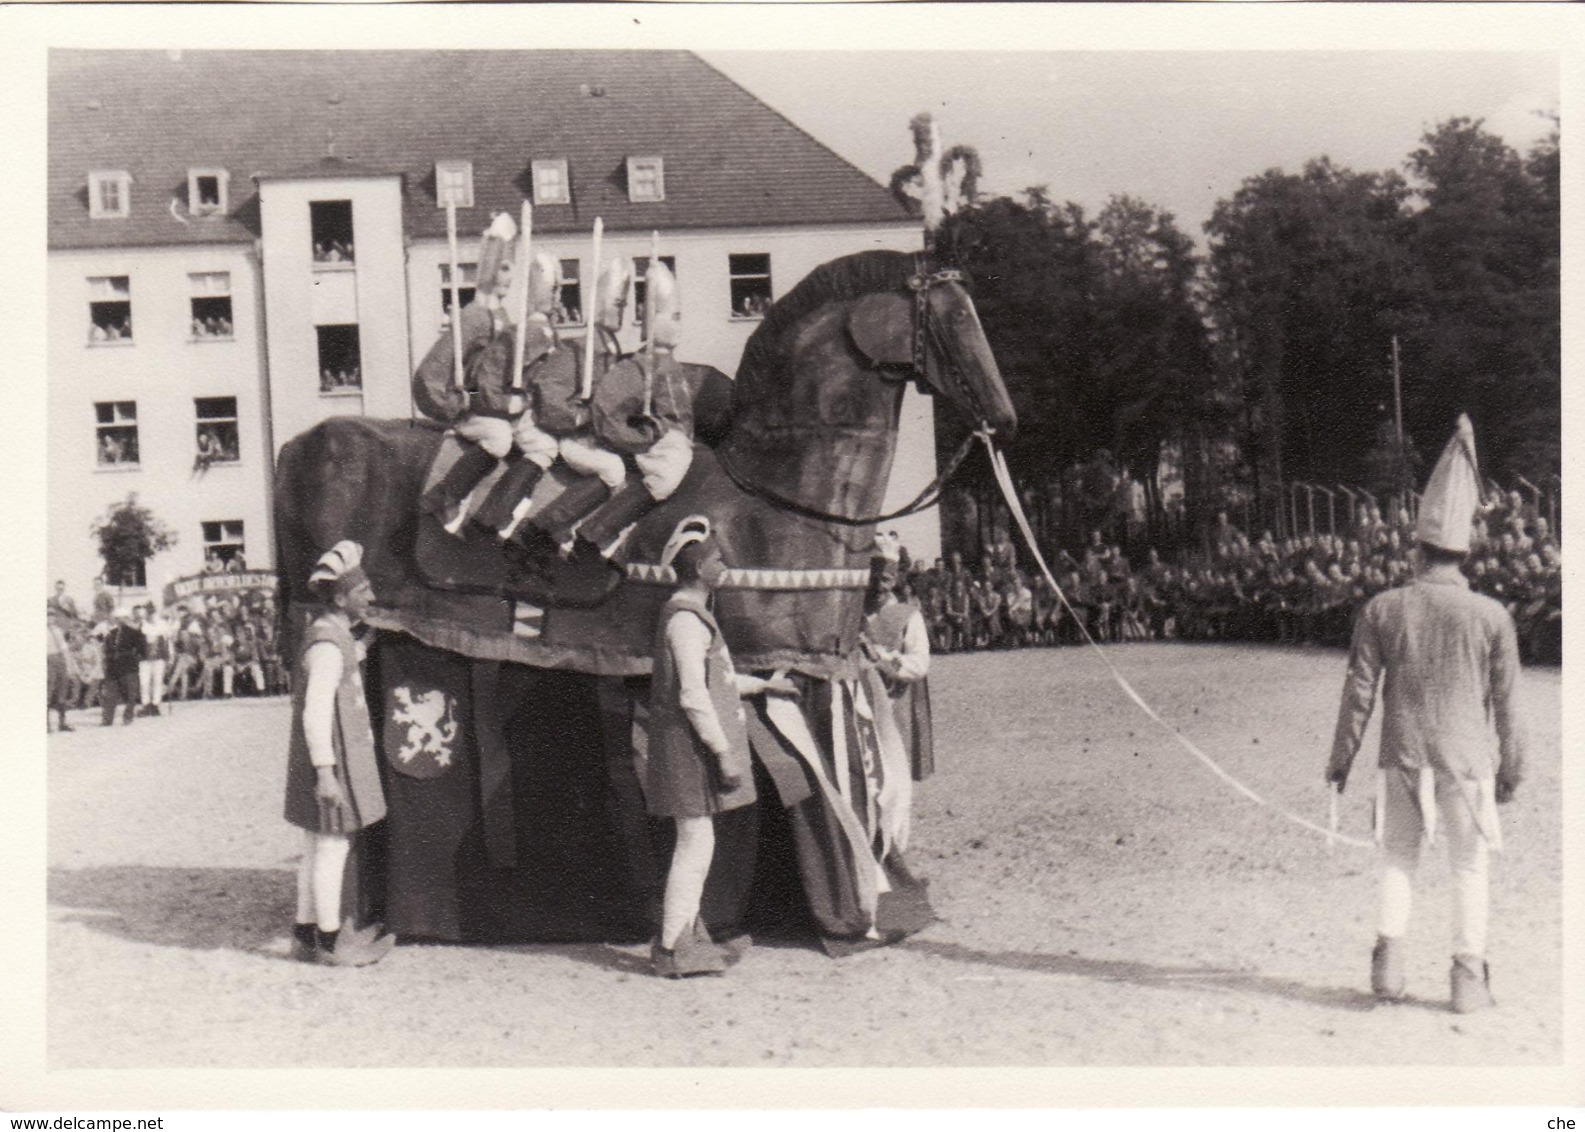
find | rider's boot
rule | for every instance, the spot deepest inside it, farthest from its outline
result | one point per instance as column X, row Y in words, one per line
column 462, row 477
column 591, row 576
column 515, row 484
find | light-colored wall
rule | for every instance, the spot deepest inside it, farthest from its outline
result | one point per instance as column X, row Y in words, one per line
column 162, row 369
column 710, row 334
column 300, row 294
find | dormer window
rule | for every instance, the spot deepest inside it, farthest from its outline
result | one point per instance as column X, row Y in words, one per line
column 109, row 194
column 550, row 183
column 454, row 183
column 206, row 192
column 646, row 179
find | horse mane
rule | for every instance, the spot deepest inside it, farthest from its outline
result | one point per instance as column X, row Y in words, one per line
column 841, row 280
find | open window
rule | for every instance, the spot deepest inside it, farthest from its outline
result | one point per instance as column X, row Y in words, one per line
column 109, row 309
column 330, row 227
column 750, row 284
column 206, row 191
column 211, row 304
column 224, row 545
column 216, row 430
column 340, row 364
column 116, row 433
column 569, row 295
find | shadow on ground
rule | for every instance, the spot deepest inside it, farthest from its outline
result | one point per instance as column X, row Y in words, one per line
column 1158, row 976
column 200, row 909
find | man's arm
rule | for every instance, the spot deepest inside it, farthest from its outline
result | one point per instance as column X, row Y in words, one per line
column 1511, row 732
column 689, row 641
column 1359, row 696
column 434, row 382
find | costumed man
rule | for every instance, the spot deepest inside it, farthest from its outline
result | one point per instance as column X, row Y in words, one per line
column 488, row 409
column 698, row 761
column 1450, row 659
column 125, row 649
column 61, row 669
column 638, row 418
column 332, row 777
column 897, row 642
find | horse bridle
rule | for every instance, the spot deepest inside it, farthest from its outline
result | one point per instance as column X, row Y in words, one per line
column 924, row 332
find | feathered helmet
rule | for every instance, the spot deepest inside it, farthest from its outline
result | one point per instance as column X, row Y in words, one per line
column 495, row 249
column 339, row 570
column 544, row 276
column 1447, row 509
column 690, row 541
column 611, row 294
column 660, row 288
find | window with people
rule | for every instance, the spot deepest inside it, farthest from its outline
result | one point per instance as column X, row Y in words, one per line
column 467, row 287
column 340, row 363
column 116, row 433
column 109, row 309
column 330, row 228
column 206, row 191
column 750, row 283
column 216, row 430
column 223, row 546
column 210, row 305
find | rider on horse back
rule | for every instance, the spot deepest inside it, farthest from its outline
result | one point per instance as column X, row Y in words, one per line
column 636, row 418
column 488, row 408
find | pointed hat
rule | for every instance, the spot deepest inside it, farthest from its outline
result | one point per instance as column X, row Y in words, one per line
column 1447, row 510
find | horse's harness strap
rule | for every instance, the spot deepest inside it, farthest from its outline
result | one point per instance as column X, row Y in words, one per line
column 926, row 498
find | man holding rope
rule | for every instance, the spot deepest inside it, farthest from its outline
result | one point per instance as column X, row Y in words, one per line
column 1450, row 658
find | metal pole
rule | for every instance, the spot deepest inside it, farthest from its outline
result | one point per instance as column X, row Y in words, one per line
column 1397, row 403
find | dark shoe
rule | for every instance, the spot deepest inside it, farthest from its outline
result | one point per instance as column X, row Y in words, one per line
column 1386, row 968
column 357, row 947
column 531, row 548
column 576, row 500
column 1471, row 984
column 587, row 578
column 65, row 727
column 305, row 947
column 695, row 954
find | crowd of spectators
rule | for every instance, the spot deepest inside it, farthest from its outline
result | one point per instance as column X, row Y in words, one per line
column 331, row 380
column 333, row 251
column 214, row 326
column 206, row 647
column 1301, row 589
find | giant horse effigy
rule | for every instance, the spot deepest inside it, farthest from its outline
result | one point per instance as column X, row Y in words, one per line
column 511, row 722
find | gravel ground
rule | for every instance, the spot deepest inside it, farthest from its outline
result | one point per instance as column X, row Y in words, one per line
column 1104, row 901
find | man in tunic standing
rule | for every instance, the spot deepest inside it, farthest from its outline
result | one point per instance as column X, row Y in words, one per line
column 698, row 757
column 1450, row 660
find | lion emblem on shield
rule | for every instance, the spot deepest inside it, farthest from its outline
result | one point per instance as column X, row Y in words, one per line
column 429, row 726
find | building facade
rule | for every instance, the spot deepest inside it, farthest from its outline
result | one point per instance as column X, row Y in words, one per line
column 220, row 279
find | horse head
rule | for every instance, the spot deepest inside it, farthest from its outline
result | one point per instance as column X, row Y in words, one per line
column 819, row 389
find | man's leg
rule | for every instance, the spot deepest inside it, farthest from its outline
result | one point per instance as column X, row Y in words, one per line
column 157, row 686
column 1401, row 841
column 109, row 697
column 680, row 950
column 145, row 685
column 1469, row 855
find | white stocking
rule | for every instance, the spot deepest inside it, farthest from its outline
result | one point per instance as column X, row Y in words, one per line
column 305, row 881
column 330, row 858
column 690, row 865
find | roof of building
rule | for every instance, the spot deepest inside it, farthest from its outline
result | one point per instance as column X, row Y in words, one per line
column 730, row 160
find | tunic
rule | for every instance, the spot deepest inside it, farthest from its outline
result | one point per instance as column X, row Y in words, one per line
column 900, row 628
column 1451, row 658
column 681, row 779
column 352, row 736
column 488, row 343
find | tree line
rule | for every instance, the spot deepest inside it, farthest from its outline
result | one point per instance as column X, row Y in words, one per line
column 1151, row 376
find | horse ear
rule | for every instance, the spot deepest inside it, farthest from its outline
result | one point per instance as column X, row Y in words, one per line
column 882, row 328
